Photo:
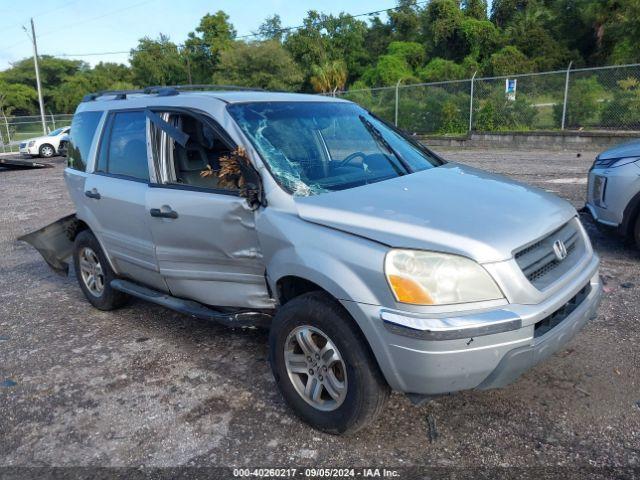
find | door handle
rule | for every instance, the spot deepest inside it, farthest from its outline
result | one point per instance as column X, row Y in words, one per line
column 93, row 193
column 166, row 213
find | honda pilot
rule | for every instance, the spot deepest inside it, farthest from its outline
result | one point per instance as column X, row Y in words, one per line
column 375, row 264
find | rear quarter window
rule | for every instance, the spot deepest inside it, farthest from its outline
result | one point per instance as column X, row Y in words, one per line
column 83, row 129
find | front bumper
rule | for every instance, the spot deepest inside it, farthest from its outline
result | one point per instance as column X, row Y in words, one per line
column 29, row 150
column 413, row 364
column 609, row 191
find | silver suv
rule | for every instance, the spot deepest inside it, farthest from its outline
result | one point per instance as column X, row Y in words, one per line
column 375, row 264
column 613, row 193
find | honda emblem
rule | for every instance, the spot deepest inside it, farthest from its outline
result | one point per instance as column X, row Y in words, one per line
column 560, row 249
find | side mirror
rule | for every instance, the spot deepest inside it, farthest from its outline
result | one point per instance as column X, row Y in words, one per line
column 236, row 171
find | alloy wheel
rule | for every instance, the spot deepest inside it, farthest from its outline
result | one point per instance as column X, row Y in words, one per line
column 47, row 151
column 91, row 271
column 315, row 367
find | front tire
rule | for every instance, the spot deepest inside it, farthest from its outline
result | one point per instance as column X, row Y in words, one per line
column 323, row 366
column 94, row 274
column 47, row 151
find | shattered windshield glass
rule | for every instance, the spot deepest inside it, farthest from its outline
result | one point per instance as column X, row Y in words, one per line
column 317, row 147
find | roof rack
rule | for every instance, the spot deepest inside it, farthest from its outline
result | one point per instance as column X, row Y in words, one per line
column 162, row 91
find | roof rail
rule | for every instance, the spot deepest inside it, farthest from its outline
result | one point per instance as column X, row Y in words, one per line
column 213, row 87
column 163, row 91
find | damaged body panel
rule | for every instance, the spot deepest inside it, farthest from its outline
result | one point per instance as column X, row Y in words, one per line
column 210, row 252
column 54, row 242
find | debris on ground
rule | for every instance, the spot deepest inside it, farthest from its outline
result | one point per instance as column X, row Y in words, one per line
column 17, row 164
column 627, row 285
column 583, row 391
column 8, row 383
column 432, row 430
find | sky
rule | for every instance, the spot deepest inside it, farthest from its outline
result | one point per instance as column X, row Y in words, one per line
column 80, row 27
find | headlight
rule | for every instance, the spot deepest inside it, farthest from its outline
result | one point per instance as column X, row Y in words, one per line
column 614, row 162
column 431, row 278
column 31, row 143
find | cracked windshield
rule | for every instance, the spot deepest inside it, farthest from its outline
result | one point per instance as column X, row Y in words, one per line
column 316, row 147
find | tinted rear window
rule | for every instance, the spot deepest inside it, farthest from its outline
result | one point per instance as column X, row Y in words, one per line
column 83, row 128
column 125, row 151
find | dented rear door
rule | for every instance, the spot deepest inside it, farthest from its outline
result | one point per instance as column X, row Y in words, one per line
column 207, row 247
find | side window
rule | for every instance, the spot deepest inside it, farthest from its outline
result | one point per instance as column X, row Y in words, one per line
column 84, row 128
column 123, row 150
column 198, row 162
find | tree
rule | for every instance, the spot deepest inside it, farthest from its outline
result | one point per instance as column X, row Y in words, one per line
column 452, row 35
column 616, row 25
column 530, row 31
column 17, row 98
column 263, row 64
column 157, row 62
column 584, row 105
column 203, row 48
column 507, row 61
column 439, row 69
column 326, row 38
column 411, row 52
column 502, row 11
column 271, row 28
column 104, row 76
column 475, row 8
column 405, row 21
column 387, row 71
column 330, row 77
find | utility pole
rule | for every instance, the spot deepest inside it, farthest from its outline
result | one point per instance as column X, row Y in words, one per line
column 35, row 63
column 566, row 96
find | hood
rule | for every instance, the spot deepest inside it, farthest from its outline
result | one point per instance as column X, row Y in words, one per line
column 37, row 139
column 628, row 149
column 452, row 208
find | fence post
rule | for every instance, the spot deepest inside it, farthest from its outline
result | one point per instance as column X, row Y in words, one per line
column 6, row 125
column 471, row 103
column 566, row 96
column 395, row 122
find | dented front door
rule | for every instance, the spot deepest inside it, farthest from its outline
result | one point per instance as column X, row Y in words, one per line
column 207, row 247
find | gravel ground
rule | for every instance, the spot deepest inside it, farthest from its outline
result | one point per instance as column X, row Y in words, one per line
column 146, row 386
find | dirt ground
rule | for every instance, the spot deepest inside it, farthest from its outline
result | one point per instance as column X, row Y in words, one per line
column 146, row 386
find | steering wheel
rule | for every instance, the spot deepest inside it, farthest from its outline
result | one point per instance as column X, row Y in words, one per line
column 352, row 157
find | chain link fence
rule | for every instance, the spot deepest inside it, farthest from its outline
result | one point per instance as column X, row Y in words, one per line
column 604, row 98
column 17, row 129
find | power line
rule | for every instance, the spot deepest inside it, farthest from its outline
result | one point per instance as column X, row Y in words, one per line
column 376, row 12
column 281, row 30
column 82, row 22
column 41, row 14
column 89, row 54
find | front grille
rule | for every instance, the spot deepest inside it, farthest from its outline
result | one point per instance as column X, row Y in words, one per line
column 538, row 261
column 553, row 320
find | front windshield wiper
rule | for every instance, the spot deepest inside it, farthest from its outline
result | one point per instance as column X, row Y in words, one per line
column 379, row 138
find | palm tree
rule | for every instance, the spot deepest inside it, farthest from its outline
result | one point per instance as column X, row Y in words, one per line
column 329, row 77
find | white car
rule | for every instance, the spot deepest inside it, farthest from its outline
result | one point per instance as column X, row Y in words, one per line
column 46, row 146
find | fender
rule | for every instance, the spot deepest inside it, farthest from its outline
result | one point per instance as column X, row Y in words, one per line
column 321, row 269
column 629, row 215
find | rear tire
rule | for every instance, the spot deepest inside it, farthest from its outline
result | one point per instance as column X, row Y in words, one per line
column 47, row 151
column 94, row 273
column 353, row 390
column 636, row 232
